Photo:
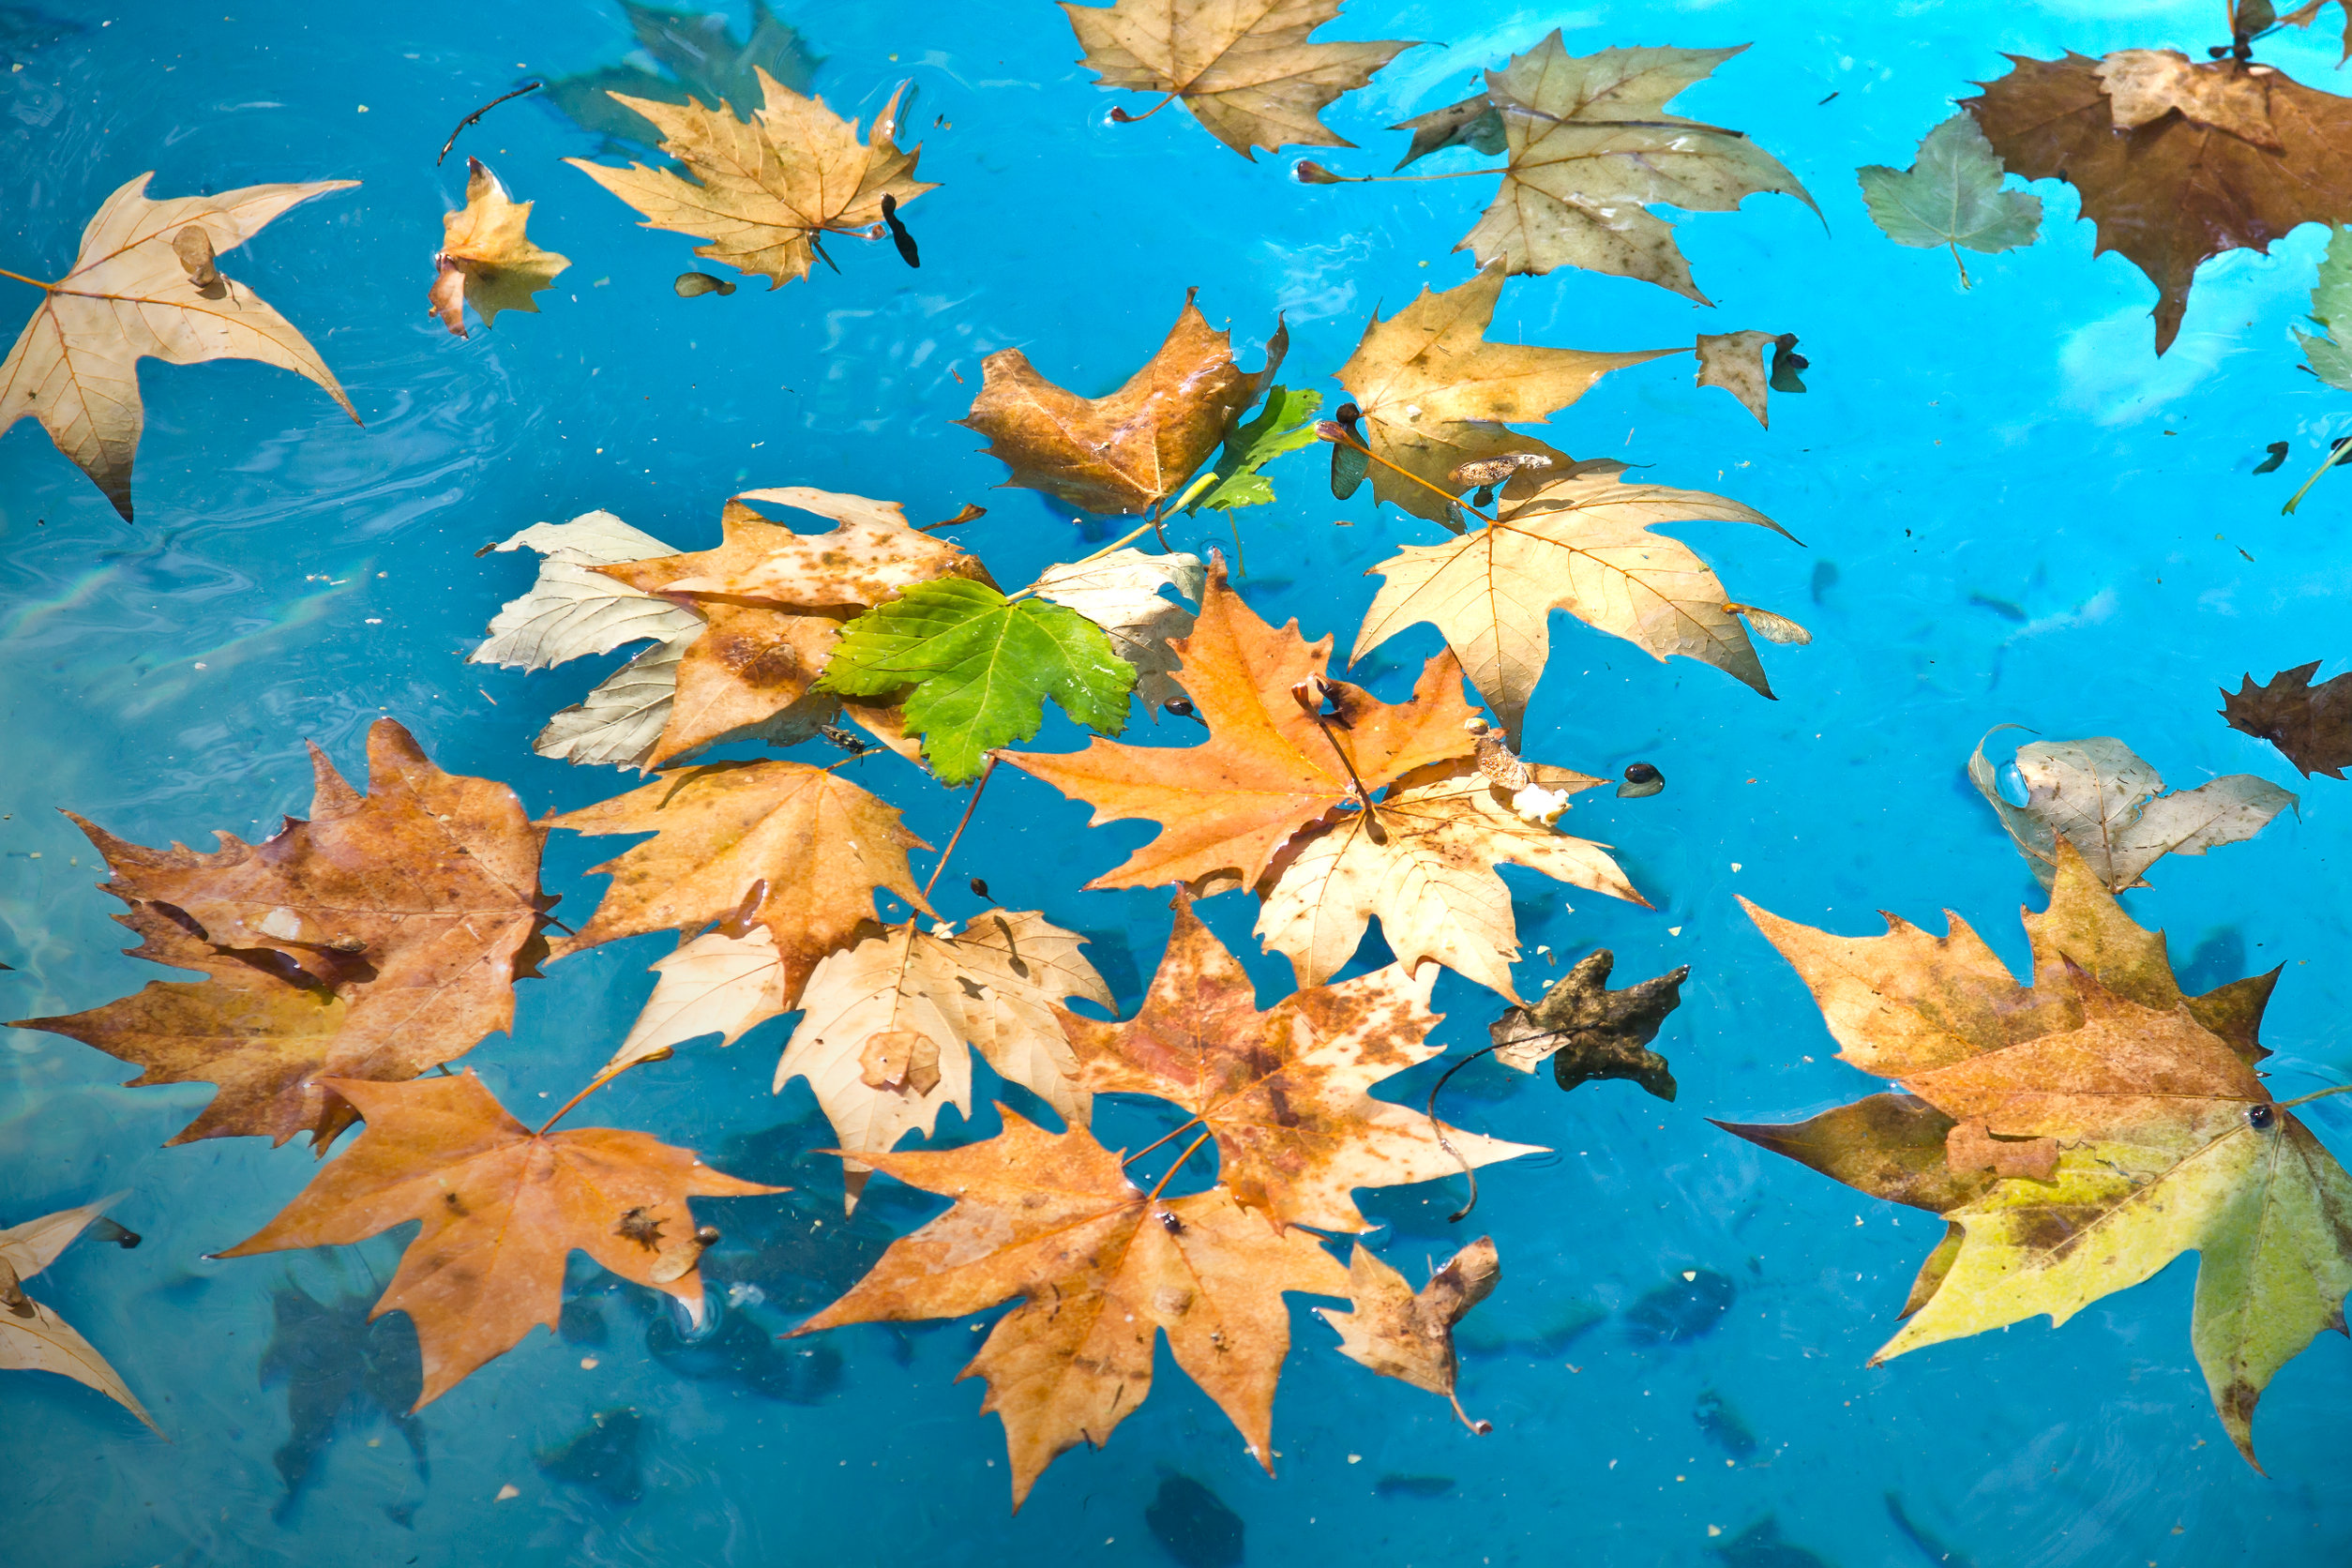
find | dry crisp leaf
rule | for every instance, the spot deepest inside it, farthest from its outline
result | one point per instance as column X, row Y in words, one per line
column 1101, row 1270
column 781, row 845
column 573, row 611
column 1433, row 394
column 2115, row 809
column 130, row 297
column 1592, row 145
column 1589, row 1031
column 33, row 1338
column 1735, row 362
column 1133, row 447
column 1410, row 1336
column 1286, row 1091
column 1473, row 122
column 1580, row 544
column 504, row 1208
column 2311, row 725
column 2079, row 1136
column 378, row 939
column 1120, row 594
column 765, row 191
column 1246, row 72
column 2175, row 160
column 485, row 259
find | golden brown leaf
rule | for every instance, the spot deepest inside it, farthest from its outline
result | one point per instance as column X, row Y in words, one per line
column 1284, row 1092
column 485, row 259
column 781, row 845
column 765, row 191
column 378, row 939
column 2176, row 161
column 33, row 1338
column 1138, row 446
column 1102, row 1270
column 130, row 297
column 1246, row 72
column 503, row 1209
column 1409, row 1336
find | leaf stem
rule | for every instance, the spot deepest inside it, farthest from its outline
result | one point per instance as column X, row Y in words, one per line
column 1954, row 245
column 1153, row 1196
column 1118, row 543
column 1327, row 177
column 1175, row 1131
column 1122, row 117
column 603, row 1077
column 1343, row 438
column 2343, row 452
column 48, row 288
column 1467, row 1170
column 970, row 807
column 2314, row 1094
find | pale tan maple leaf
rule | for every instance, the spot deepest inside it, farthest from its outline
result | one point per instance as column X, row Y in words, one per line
column 1407, row 1335
column 33, row 1338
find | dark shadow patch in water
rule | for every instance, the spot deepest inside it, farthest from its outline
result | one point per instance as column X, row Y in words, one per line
column 1762, row 1546
column 1681, row 1310
column 1394, row 1486
column 2220, row 957
column 1929, row 1545
column 1192, row 1524
column 602, row 1457
column 742, row 1352
column 1722, row 1424
column 341, row 1371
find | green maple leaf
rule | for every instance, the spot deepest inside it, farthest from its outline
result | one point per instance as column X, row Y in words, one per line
column 1283, row 423
column 2332, row 307
column 1952, row 196
column 976, row 668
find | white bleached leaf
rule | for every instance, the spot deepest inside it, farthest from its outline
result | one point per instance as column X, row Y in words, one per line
column 573, row 611
column 33, row 1338
column 1120, row 594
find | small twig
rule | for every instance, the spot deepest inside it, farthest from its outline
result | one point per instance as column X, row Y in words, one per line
column 1153, row 1196
column 816, row 243
column 1337, row 435
column 1467, row 1170
column 1120, row 117
column 970, row 807
column 970, row 514
column 526, row 87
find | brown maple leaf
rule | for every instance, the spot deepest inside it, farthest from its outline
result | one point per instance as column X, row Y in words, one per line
column 378, row 939
column 146, row 285
column 791, row 847
column 1588, row 1032
column 1102, row 1269
column 1247, row 73
column 1408, row 1334
column 503, row 1209
column 765, row 190
column 1136, row 447
column 485, row 260
column 2311, row 725
column 1286, row 1091
column 2175, row 160
column 1435, row 395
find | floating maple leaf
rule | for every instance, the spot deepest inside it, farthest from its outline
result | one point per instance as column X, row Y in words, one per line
column 1135, row 446
column 1246, row 72
column 1952, row 196
column 2175, row 160
column 1433, row 394
column 765, row 191
column 146, row 286
column 1280, row 800
column 485, row 259
column 1580, row 543
column 1102, row 1269
column 1120, row 594
column 2079, row 1136
column 701, row 50
column 1588, row 1032
column 33, row 1338
column 1735, row 362
column 1408, row 1334
column 378, row 939
column 2311, row 725
column 503, row 1209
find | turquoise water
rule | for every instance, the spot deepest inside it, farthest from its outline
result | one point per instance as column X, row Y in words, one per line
column 2012, row 512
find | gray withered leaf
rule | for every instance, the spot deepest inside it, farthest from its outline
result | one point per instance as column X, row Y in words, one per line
column 1952, row 196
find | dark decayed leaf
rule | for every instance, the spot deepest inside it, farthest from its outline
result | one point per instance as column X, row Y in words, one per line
column 1590, row 1032
column 2311, row 724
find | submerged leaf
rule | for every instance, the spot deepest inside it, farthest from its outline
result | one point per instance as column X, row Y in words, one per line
column 2331, row 357
column 1735, row 362
column 1951, row 195
column 700, row 50
column 485, row 259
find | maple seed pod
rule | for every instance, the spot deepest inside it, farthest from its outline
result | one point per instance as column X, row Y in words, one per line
column 689, row 285
column 1308, row 173
column 193, row 247
column 1326, row 429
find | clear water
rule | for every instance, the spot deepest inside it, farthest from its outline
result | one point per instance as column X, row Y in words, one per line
column 2014, row 512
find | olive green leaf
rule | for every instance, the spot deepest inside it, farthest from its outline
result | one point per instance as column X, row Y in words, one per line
column 2332, row 307
column 1952, row 196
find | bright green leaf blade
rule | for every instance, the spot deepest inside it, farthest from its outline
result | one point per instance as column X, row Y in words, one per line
column 2331, row 297
column 976, row 668
column 1283, row 423
column 2329, row 361
column 1952, row 195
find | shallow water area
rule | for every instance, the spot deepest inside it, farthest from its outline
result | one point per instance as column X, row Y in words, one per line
column 2012, row 512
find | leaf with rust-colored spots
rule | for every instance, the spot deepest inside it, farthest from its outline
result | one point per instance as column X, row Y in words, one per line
column 1129, row 449
column 2078, row 1136
column 33, row 1338
column 2176, row 161
column 376, row 939
column 1284, row 1092
column 1272, row 803
column 782, row 845
column 1407, row 1335
column 503, row 1208
column 485, row 260
column 1102, row 1270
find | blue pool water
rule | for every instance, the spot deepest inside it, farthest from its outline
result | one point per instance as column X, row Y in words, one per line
column 2012, row 512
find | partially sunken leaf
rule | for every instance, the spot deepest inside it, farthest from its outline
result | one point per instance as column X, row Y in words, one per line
column 1101, row 1270
column 1591, row 146
column 1246, row 72
column 131, row 296
column 1952, row 196
column 376, row 939
column 1408, row 1334
column 2330, row 357
column 977, row 668
column 1120, row 594
column 485, row 259
column 1474, row 123
column 2311, row 725
column 2175, row 160
column 1580, row 544
column 1434, row 393
column 765, row 191
column 700, row 48
column 1126, row 450
column 504, row 1208
column 2114, row 808
column 2092, row 1130
column 572, row 610
column 783, row 845
column 1285, row 1093
column 1735, row 362
column 33, row 1338
column 1588, row 1032
column 618, row 723
column 1284, row 423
